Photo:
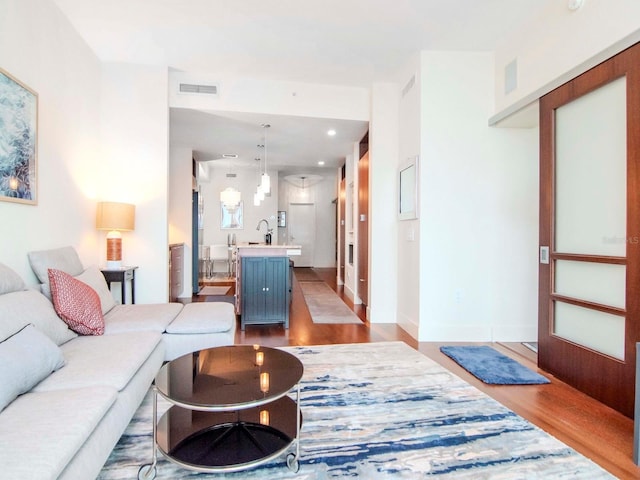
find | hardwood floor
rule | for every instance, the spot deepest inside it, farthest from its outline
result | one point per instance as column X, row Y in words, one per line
column 593, row 429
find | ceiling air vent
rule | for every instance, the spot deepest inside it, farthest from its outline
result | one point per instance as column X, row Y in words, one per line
column 200, row 89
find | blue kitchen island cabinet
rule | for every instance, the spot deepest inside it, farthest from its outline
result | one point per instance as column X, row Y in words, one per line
column 265, row 290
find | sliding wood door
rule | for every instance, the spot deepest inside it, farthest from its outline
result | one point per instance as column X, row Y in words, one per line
column 590, row 230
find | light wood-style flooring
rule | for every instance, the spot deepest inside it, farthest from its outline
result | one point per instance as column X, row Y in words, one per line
column 591, row 428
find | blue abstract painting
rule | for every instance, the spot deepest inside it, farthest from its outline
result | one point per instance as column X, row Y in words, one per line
column 18, row 140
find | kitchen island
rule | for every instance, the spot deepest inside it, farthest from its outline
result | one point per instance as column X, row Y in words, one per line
column 263, row 283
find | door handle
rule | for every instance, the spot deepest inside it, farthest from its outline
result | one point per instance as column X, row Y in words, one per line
column 544, row 255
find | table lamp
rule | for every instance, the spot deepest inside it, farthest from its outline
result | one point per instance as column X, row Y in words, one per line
column 115, row 218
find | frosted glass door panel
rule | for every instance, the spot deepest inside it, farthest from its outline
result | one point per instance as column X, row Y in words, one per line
column 590, row 173
column 593, row 329
column 594, row 282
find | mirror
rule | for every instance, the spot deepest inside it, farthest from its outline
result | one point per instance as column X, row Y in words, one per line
column 408, row 190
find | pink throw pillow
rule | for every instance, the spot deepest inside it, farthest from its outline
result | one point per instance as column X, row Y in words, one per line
column 76, row 303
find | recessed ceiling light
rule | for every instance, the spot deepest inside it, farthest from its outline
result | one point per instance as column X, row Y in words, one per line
column 320, row 163
column 331, row 132
column 229, row 155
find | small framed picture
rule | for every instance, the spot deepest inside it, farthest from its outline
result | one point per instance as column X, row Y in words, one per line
column 282, row 218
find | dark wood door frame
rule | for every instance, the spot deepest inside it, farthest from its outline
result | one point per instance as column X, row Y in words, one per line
column 363, row 222
column 609, row 380
column 342, row 218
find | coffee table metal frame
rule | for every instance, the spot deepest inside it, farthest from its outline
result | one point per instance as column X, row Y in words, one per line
column 148, row 471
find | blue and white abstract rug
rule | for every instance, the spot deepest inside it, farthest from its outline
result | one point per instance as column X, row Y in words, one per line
column 385, row 411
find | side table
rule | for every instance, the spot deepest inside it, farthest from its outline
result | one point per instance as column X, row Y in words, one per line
column 122, row 275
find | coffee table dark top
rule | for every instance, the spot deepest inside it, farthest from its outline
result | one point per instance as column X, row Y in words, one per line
column 228, row 378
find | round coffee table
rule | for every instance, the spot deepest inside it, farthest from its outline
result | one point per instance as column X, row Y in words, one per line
column 230, row 409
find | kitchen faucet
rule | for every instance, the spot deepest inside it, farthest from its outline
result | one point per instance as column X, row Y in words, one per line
column 260, row 222
column 267, row 237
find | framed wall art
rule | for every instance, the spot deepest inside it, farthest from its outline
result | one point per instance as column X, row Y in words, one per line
column 18, row 141
column 231, row 217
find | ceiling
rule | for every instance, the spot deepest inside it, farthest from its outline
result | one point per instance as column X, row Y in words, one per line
column 340, row 42
column 293, row 144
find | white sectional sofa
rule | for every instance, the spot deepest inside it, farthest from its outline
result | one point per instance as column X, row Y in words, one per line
column 77, row 393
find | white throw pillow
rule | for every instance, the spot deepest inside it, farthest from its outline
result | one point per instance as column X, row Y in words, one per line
column 26, row 358
column 10, row 281
column 94, row 278
column 65, row 259
column 29, row 306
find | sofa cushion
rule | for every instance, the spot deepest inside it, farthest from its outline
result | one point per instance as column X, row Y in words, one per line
column 65, row 259
column 42, row 432
column 26, row 358
column 10, row 281
column 77, row 303
column 110, row 360
column 18, row 309
column 141, row 317
column 204, row 317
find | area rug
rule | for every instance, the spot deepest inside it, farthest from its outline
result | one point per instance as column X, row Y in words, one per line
column 304, row 274
column 491, row 366
column 211, row 290
column 382, row 411
column 325, row 306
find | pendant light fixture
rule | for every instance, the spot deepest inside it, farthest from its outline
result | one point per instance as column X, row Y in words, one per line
column 265, row 181
column 256, row 196
column 230, row 197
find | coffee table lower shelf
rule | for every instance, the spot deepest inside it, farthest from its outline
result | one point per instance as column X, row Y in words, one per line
column 230, row 441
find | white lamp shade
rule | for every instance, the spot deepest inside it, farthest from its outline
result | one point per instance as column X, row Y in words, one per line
column 265, row 183
column 260, row 193
column 115, row 216
column 256, row 200
column 230, row 196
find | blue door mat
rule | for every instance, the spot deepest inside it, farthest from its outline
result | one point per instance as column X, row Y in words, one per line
column 491, row 366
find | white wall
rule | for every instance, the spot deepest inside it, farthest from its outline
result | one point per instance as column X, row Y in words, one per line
column 326, row 218
column 560, row 40
column 351, row 236
column 135, row 139
column 383, row 166
column 39, row 47
column 408, row 231
column 246, row 182
column 322, row 195
column 180, row 191
column 276, row 97
column 102, row 135
column 478, row 209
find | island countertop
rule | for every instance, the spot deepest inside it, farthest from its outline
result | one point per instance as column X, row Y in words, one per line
column 263, row 250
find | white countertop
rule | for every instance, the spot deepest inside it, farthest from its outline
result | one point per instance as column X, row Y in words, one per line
column 264, row 245
column 274, row 249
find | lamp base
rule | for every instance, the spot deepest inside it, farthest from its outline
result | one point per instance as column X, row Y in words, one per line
column 114, row 250
column 114, row 264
